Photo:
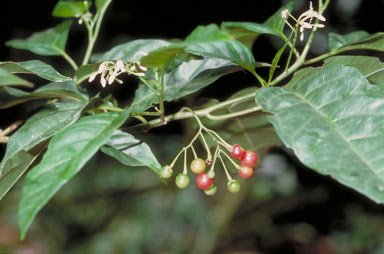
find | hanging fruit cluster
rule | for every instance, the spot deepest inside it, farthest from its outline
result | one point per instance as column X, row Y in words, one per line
column 205, row 179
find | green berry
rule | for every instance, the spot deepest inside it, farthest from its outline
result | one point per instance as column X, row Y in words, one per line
column 182, row 180
column 211, row 191
column 211, row 174
column 233, row 186
column 166, row 172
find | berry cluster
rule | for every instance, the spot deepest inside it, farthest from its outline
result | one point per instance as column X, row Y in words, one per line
column 205, row 180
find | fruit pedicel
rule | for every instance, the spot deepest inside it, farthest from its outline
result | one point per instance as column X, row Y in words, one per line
column 243, row 160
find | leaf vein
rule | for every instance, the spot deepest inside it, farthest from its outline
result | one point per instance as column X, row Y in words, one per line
column 342, row 137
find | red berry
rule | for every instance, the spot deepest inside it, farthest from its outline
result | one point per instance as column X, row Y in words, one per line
column 245, row 171
column 203, row 181
column 237, row 152
column 250, row 159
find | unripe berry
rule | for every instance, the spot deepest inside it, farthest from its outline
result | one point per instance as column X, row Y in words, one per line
column 198, row 166
column 166, row 172
column 211, row 191
column 182, row 180
column 233, row 186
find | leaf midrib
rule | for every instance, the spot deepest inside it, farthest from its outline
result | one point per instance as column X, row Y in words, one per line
column 29, row 141
column 352, row 148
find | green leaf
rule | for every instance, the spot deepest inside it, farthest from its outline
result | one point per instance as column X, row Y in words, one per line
column 50, row 42
column 8, row 79
column 207, row 33
column 161, row 57
column 67, row 153
column 275, row 61
column 233, row 51
column 336, row 41
column 247, row 32
column 101, row 3
column 359, row 41
column 69, row 9
column 332, row 118
column 131, row 51
column 202, row 34
column 15, row 167
column 300, row 74
column 43, row 125
column 130, row 151
column 370, row 66
column 10, row 96
column 252, row 131
column 84, row 71
column 36, row 67
column 187, row 78
column 62, row 90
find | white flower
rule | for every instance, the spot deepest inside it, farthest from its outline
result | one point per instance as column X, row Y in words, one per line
column 120, row 66
column 143, row 68
column 92, row 77
column 103, row 82
column 301, row 36
column 109, row 71
column 111, row 78
column 102, row 67
column 311, row 14
column 284, row 14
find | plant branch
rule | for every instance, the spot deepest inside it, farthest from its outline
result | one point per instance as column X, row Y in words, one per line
column 206, row 112
column 291, row 45
column 161, row 96
column 231, row 115
column 67, row 58
column 300, row 61
column 334, row 52
column 93, row 31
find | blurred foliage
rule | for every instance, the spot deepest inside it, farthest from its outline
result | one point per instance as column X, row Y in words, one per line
column 129, row 210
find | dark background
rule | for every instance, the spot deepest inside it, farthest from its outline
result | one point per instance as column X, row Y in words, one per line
column 127, row 20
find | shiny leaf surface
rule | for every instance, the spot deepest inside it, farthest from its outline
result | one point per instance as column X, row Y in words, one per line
column 11, row 96
column 69, row 9
column 130, row 151
column 36, row 67
column 50, row 42
column 43, row 125
column 332, row 118
column 370, row 66
column 67, row 153
column 187, row 78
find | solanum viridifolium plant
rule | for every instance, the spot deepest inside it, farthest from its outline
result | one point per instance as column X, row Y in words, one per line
column 330, row 116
